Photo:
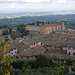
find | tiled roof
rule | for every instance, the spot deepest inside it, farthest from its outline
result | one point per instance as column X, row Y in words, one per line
column 32, row 52
column 48, row 25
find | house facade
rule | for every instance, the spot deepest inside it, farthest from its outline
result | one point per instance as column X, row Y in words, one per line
column 11, row 53
column 33, row 28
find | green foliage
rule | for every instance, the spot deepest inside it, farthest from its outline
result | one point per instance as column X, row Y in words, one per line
column 18, row 64
column 37, row 23
column 4, row 26
column 69, row 20
column 42, row 22
column 48, row 22
column 10, row 30
column 5, row 66
column 40, row 66
column 31, row 24
column 69, row 62
column 42, row 61
column 26, row 32
column 5, row 32
column 16, row 72
column 74, row 64
column 21, row 28
column 15, row 35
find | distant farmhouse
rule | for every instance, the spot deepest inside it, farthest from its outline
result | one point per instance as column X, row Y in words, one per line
column 47, row 28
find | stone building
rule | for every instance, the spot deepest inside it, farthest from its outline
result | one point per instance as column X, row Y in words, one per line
column 14, row 29
column 49, row 28
column 30, row 53
column 33, row 28
column 10, row 53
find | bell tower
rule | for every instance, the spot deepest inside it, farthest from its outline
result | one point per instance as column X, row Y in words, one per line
column 62, row 24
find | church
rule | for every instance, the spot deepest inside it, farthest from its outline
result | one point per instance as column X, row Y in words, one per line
column 50, row 28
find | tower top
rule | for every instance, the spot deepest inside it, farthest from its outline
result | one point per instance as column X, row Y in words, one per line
column 62, row 22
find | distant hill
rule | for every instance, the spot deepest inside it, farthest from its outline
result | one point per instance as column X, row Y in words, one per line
column 69, row 19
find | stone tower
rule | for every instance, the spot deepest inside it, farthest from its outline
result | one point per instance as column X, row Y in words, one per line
column 63, row 26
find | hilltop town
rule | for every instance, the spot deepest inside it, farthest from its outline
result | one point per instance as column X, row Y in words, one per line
column 54, row 41
column 51, row 40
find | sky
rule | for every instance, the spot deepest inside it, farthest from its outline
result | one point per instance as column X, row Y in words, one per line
column 37, row 5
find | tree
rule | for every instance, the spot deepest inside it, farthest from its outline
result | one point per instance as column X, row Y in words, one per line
column 48, row 22
column 5, row 32
column 10, row 30
column 42, row 22
column 21, row 28
column 37, row 23
column 26, row 32
column 5, row 26
column 15, row 35
column 5, row 62
column 31, row 24
column 74, row 64
column 42, row 61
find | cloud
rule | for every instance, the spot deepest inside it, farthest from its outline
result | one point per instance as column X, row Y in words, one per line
column 37, row 0
column 13, row 5
column 18, row 1
column 60, row 1
column 33, row 1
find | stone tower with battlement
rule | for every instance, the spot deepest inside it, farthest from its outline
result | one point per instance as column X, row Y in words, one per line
column 63, row 26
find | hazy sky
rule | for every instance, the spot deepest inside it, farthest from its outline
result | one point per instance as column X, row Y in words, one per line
column 37, row 5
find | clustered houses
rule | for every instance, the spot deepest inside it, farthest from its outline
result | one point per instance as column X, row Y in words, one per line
column 30, row 53
column 32, row 43
column 60, row 44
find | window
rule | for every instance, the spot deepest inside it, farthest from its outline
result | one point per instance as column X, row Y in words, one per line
column 36, row 56
column 46, row 49
column 12, row 52
column 15, row 51
column 22, row 57
column 27, row 57
column 69, row 53
column 73, row 53
column 17, row 57
column 15, row 48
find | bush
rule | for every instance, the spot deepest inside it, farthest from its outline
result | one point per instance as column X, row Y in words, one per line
column 18, row 64
column 16, row 72
column 42, row 61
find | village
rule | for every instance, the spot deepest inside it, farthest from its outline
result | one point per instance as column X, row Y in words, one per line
column 54, row 41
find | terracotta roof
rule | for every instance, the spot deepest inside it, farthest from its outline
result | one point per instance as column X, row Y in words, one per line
column 32, row 52
column 37, row 47
column 48, row 25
